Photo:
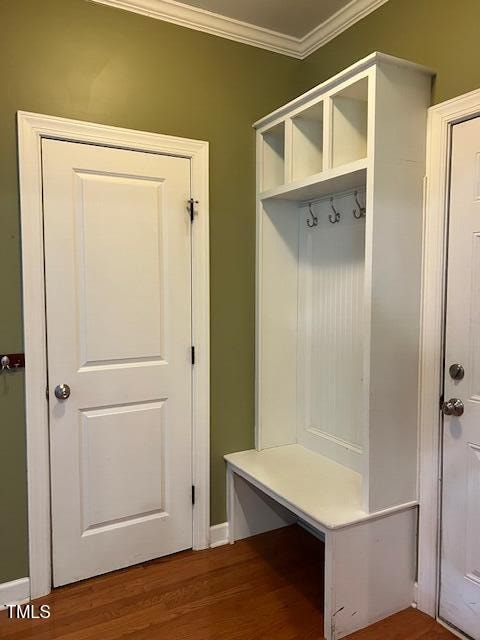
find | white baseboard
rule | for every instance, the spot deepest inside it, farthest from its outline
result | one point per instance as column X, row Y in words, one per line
column 15, row 592
column 18, row 591
column 218, row 535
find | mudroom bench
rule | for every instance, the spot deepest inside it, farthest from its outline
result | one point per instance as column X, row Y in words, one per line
column 369, row 557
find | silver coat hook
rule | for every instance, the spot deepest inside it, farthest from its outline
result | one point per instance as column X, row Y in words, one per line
column 359, row 212
column 5, row 364
column 335, row 217
column 314, row 219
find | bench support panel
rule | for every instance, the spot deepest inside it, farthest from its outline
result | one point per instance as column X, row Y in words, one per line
column 250, row 511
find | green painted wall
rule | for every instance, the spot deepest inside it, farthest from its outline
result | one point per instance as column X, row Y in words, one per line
column 440, row 34
column 81, row 60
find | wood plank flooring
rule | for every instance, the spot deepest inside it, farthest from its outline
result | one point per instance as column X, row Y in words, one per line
column 267, row 587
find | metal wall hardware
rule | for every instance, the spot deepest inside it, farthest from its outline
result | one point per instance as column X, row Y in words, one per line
column 314, row 219
column 335, row 217
column 11, row 362
column 359, row 212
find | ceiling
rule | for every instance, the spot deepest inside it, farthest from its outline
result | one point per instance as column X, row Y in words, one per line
column 292, row 27
column 291, row 17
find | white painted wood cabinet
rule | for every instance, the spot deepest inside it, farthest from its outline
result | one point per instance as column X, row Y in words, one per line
column 339, row 236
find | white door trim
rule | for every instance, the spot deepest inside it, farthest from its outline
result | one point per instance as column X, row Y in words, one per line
column 441, row 119
column 31, row 129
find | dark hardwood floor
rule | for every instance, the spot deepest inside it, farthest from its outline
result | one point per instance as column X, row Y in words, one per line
column 406, row 625
column 267, row 587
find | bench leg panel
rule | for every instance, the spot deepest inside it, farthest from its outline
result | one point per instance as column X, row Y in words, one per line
column 370, row 572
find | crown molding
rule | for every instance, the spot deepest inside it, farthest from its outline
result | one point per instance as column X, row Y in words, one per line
column 340, row 21
column 212, row 23
column 224, row 27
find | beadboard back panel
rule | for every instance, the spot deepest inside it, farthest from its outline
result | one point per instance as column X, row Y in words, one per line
column 331, row 332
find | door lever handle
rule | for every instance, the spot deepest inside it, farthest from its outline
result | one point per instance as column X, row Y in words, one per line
column 453, row 407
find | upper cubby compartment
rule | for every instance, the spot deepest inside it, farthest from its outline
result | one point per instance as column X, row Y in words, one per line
column 349, row 126
column 273, row 157
column 307, row 142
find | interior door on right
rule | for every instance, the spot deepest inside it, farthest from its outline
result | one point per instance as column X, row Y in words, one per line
column 460, row 546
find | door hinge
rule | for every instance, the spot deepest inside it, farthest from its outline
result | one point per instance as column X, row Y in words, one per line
column 191, row 208
column 193, row 355
column 193, row 494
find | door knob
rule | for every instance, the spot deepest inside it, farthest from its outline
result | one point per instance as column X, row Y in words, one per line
column 456, row 371
column 62, row 391
column 453, row 407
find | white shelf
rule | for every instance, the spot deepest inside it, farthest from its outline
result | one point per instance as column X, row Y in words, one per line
column 327, row 182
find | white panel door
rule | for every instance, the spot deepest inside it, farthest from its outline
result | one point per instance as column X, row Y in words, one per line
column 118, row 298
column 460, row 551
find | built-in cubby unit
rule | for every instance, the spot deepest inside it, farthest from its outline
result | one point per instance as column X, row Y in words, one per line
column 307, row 142
column 273, row 147
column 339, row 242
column 350, row 123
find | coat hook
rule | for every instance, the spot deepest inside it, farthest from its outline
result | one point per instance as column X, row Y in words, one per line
column 5, row 364
column 360, row 212
column 336, row 214
column 314, row 221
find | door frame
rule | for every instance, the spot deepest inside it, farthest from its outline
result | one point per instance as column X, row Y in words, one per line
column 31, row 129
column 441, row 119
